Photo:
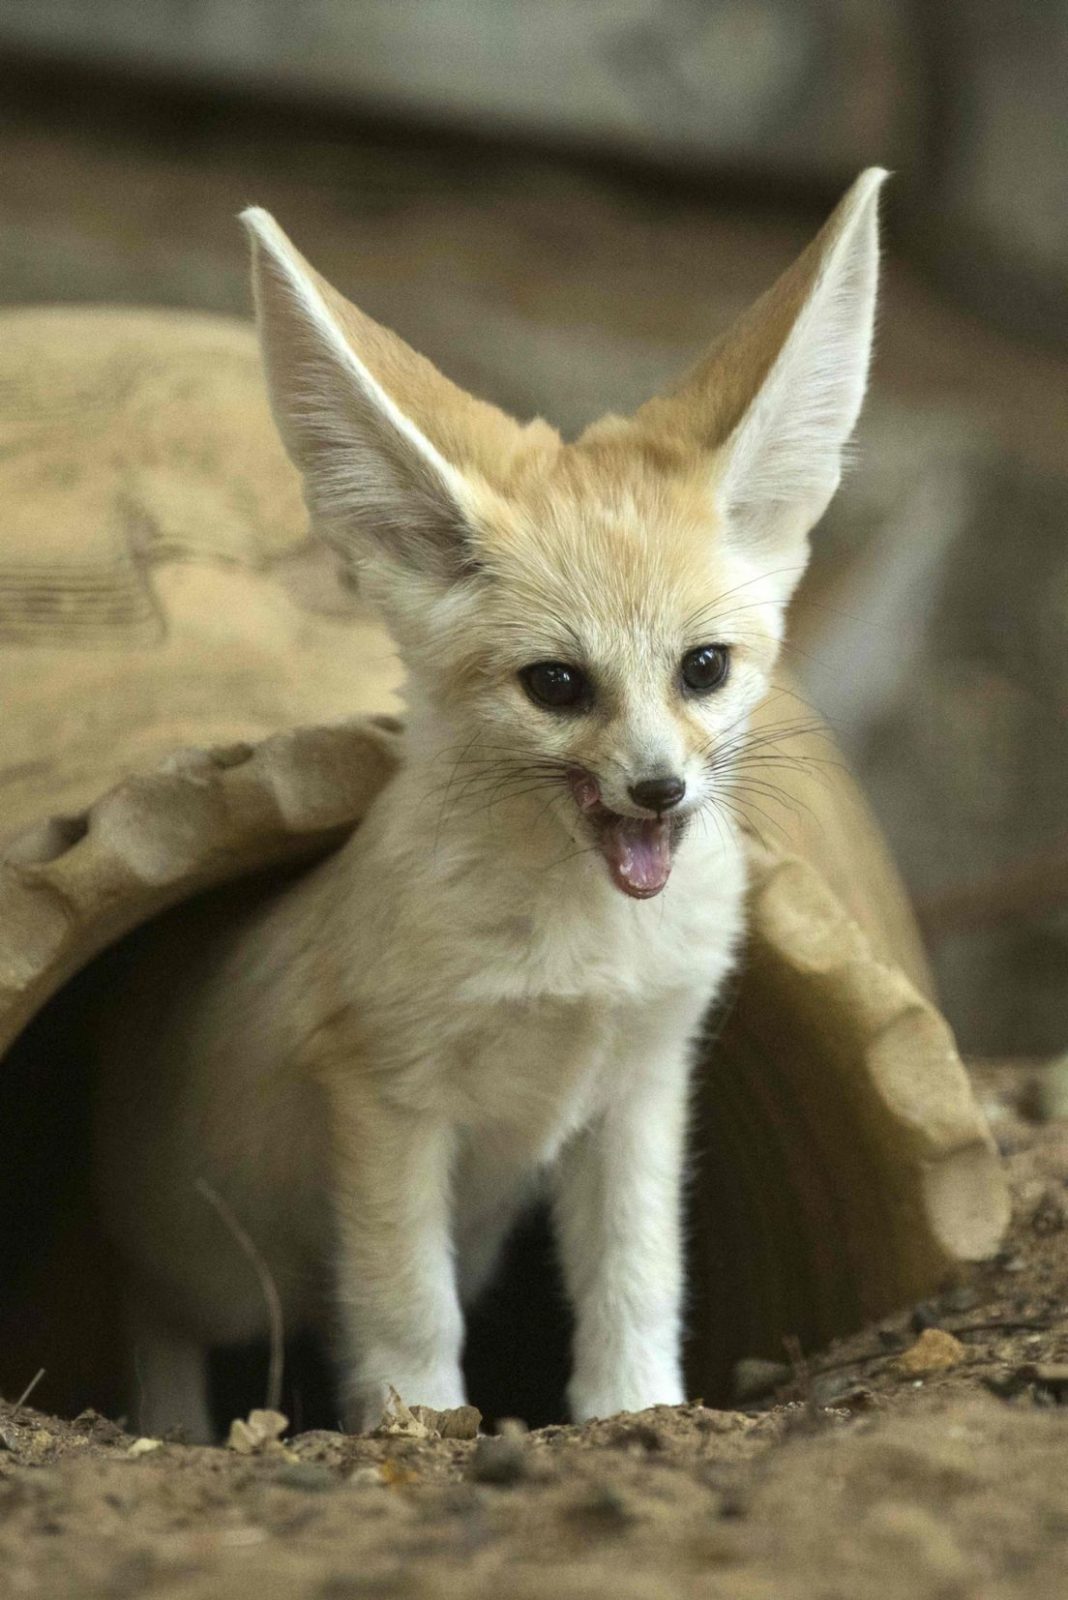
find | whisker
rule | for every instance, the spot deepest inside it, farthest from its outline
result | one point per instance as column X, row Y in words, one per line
column 707, row 612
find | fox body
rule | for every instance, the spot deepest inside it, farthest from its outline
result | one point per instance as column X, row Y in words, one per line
column 496, row 983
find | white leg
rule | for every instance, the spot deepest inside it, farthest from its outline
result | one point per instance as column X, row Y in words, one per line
column 617, row 1210
column 169, row 1379
column 400, row 1314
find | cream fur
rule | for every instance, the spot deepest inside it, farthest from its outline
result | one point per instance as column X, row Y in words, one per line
column 377, row 1065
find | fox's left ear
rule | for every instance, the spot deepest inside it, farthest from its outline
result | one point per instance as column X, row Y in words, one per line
column 777, row 399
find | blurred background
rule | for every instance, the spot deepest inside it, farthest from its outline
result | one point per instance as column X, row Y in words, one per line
column 561, row 202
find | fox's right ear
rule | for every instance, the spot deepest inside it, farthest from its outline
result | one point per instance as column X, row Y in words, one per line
column 343, row 390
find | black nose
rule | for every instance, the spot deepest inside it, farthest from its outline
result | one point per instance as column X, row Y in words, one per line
column 657, row 794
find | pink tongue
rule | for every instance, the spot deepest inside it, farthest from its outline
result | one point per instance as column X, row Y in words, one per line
column 638, row 852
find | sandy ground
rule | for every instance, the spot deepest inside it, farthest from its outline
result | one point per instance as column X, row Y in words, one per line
column 869, row 1471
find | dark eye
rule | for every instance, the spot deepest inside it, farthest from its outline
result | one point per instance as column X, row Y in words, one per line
column 557, row 686
column 706, row 668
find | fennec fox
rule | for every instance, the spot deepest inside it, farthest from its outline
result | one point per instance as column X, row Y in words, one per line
column 497, row 981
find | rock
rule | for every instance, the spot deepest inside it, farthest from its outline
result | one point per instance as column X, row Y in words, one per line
column 143, row 1447
column 399, row 1421
column 367, row 1478
column 261, row 1432
column 459, row 1422
column 925, row 1315
column 501, row 1460
column 307, row 1475
column 934, row 1351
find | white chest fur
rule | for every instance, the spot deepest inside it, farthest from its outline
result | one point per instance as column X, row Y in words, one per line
column 511, row 999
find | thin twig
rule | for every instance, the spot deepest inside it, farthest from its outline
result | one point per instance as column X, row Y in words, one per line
column 802, row 1371
column 25, row 1395
column 267, row 1285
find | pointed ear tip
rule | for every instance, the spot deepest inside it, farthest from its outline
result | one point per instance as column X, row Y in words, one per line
column 871, row 180
column 260, row 226
column 857, row 212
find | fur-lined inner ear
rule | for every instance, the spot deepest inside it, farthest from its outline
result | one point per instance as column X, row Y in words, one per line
column 375, row 485
column 782, row 462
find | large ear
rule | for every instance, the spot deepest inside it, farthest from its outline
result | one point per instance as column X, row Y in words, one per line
column 777, row 399
column 356, row 409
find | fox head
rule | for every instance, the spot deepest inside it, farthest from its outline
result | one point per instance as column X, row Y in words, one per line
column 601, row 616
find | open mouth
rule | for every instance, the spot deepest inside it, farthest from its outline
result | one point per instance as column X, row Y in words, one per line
column 638, row 850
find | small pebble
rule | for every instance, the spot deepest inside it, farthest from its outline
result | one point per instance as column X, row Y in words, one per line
column 367, row 1478
column 307, row 1475
column 501, row 1459
column 261, row 1431
column 143, row 1447
column 934, row 1351
column 925, row 1315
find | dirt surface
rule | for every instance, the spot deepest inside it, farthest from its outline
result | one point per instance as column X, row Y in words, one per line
column 923, row 1458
